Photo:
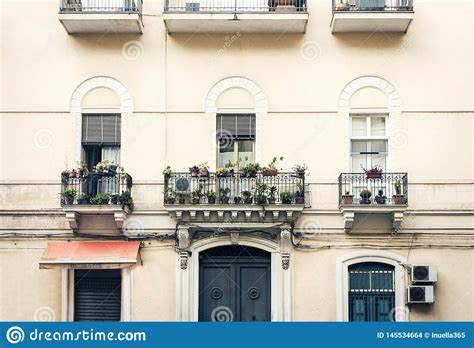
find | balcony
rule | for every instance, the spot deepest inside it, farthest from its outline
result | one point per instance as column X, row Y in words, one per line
column 101, row 16
column 373, row 193
column 372, row 16
column 96, row 194
column 235, row 198
column 235, row 16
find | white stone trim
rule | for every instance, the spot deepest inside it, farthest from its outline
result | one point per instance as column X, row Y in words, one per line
column 383, row 85
column 261, row 102
column 187, row 290
column 342, row 289
column 85, row 87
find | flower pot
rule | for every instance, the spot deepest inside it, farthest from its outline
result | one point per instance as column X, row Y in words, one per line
column 211, row 200
column 365, row 200
column 269, row 172
column 224, row 200
column 68, row 200
column 237, row 200
column 271, row 200
column 373, row 175
column 204, row 172
column 261, row 199
column 248, row 200
column 196, row 200
column 169, row 201
column 182, row 200
column 347, row 199
column 380, row 200
column 285, row 2
column 398, row 199
column 299, row 200
column 112, row 170
column 194, row 174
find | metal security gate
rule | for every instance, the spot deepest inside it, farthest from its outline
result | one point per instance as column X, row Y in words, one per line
column 97, row 295
column 234, row 284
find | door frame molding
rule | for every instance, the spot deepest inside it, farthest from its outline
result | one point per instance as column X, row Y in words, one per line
column 187, row 304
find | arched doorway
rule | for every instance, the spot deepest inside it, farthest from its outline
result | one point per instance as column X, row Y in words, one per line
column 234, row 284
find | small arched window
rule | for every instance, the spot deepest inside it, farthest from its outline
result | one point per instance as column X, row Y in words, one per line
column 371, row 291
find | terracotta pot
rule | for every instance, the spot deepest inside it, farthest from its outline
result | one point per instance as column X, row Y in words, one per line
column 398, row 199
column 347, row 199
column 269, row 172
column 373, row 175
column 285, row 2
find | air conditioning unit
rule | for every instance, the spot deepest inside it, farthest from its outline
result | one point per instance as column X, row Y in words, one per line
column 421, row 294
column 423, row 274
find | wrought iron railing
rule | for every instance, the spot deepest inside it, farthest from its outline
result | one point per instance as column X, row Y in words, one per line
column 284, row 188
column 234, row 5
column 95, row 189
column 372, row 5
column 378, row 189
column 128, row 6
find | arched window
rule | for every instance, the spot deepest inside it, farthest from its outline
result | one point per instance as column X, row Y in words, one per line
column 371, row 291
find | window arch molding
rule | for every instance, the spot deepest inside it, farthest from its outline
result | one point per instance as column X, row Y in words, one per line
column 379, row 256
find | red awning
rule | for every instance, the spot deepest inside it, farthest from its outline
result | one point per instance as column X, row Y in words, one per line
column 90, row 255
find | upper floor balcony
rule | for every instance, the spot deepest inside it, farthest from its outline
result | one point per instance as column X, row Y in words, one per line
column 232, row 16
column 373, row 192
column 236, row 197
column 104, row 193
column 372, row 16
column 101, row 16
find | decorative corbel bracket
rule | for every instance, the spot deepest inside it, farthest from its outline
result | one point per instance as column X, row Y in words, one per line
column 285, row 246
column 184, row 240
column 348, row 221
column 73, row 220
column 397, row 219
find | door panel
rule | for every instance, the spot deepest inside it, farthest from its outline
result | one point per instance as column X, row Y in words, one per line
column 234, row 285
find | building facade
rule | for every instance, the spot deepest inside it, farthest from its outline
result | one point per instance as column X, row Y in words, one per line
column 359, row 112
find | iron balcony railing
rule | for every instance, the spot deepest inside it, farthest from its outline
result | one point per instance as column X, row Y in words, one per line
column 234, row 6
column 378, row 189
column 284, row 188
column 100, row 6
column 95, row 189
column 372, row 5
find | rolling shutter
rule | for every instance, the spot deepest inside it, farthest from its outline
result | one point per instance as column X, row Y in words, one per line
column 97, row 295
column 101, row 129
column 236, row 126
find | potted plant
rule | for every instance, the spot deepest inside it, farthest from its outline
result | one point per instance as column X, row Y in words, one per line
column 100, row 199
column 182, row 198
column 69, row 195
column 65, row 174
column 398, row 198
column 380, row 198
column 196, row 196
column 247, row 195
column 347, row 198
column 365, row 197
column 211, row 197
column 204, row 169
column 342, row 6
column 374, row 173
column 260, row 196
column 272, row 191
column 114, row 198
column 223, row 172
column 300, row 170
column 73, row 173
column 287, row 197
column 237, row 200
column 251, row 170
column 224, row 195
column 125, row 200
column 170, row 196
column 299, row 194
column 194, row 170
column 167, row 171
column 271, row 170
column 82, row 170
column 82, row 198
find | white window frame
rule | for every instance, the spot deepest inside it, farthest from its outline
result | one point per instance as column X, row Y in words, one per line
column 67, row 295
column 368, row 137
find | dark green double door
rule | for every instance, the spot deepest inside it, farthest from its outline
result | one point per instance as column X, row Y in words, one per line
column 234, row 284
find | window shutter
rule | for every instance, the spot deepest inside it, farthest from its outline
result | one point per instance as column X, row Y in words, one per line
column 236, row 126
column 97, row 295
column 101, row 129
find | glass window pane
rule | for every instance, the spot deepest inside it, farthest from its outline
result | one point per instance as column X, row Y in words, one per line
column 379, row 160
column 359, row 162
column 359, row 146
column 245, row 152
column 111, row 154
column 382, row 280
column 378, row 146
column 359, row 281
column 359, row 126
column 226, row 152
column 377, row 126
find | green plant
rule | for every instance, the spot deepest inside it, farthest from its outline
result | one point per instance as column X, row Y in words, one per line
column 272, row 192
column 380, row 198
column 125, row 199
column 224, row 195
column 398, row 187
column 114, row 198
column 287, row 197
column 100, row 199
column 69, row 195
column 211, row 194
column 247, row 195
column 82, row 169
column 170, row 195
column 251, row 169
column 166, row 171
column 365, row 194
column 271, row 169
